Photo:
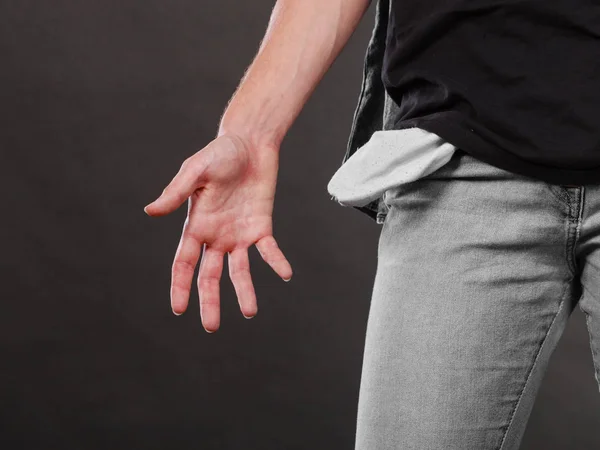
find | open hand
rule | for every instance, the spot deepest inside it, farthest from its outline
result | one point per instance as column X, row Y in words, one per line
column 230, row 188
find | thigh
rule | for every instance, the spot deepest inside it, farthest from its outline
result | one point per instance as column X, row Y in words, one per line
column 471, row 294
column 585, row 200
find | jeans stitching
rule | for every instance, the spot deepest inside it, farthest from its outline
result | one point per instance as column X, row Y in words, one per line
column 571, row 254
column 570, row 248
column 535, row 360
column 578, row 229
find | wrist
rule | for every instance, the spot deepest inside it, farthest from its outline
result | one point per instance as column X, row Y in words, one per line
column 255, row 138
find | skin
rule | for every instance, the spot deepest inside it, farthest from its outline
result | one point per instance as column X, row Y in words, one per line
column 230, row 184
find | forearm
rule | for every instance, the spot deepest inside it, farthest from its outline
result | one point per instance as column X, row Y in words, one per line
column 302, row 40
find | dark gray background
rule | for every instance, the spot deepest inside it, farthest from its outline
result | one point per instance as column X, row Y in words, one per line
column 100, row 103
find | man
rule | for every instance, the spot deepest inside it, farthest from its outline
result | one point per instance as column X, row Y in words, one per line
column 481, row 261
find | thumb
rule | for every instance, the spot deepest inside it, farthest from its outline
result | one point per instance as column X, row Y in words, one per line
column 177, row 191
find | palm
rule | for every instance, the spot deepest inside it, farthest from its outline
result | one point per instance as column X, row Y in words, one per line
column 230, row 190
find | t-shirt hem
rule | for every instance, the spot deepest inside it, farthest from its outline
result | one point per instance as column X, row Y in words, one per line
column 459, row 134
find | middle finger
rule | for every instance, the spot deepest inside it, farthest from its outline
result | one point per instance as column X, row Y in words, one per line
column 209, row 276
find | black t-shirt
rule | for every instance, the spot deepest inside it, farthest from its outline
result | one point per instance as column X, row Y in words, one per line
column 515, row 83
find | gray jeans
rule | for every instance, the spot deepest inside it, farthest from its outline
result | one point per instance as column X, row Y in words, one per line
column 478, row 272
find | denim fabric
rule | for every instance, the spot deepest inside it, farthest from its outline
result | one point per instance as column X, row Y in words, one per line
column 478, row 272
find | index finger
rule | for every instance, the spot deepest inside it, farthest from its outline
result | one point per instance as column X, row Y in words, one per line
column 182, row 273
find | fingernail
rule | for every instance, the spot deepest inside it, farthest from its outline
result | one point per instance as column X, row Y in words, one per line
column 177, row 314
column 288, row 279
column 208, row 331
column 247, row 317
